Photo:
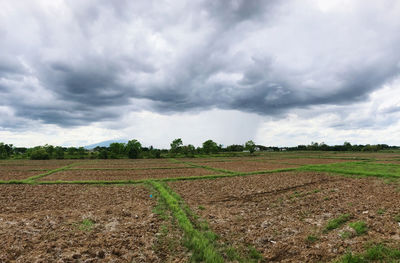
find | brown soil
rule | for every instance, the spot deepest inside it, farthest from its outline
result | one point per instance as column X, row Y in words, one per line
column 205, row 160
column 247, row 166
column 151, row 163
column 222, row 159
column 25, row 168
column 304, row 161
column 277, row 212
column 44, row 224
column 41, row 164
column 17, row 175
column 75, row 175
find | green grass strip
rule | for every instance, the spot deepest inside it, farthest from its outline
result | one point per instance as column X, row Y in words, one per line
column 357, row 168
column 13, row 182
column 203, row 249
column 35, row 177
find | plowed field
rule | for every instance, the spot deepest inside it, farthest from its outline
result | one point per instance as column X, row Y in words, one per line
column 304, row 161
column 41, row 164
column 69, row 223
column 17, row 174
column 279, row 213
column 151, row 163
column 107, row 175
column 59, row 217
column 247, row 166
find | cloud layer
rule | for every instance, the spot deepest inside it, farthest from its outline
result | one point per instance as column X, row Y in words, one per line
column 76, row 63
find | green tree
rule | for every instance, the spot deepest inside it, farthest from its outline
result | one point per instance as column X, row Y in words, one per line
column 39, row 153
column 176, row 146
column 235, row 148
column 71, row 151
column 250, row 146
column 117, row 149
column 210, row 146
column 3, row 151
column 133, row 149
column 49, row 149
column 347, row 146
column 189, row 150
column 103, row 154
column 81, row 152
column 59, row 152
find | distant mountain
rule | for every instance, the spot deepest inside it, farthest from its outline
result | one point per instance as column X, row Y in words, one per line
column 103, row 144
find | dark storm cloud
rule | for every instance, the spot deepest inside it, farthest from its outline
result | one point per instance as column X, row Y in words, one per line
column 83, row 62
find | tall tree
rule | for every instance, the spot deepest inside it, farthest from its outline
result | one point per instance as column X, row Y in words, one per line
column 133, row 149
column 210, row 146
column 176, row 146
column 250, row 146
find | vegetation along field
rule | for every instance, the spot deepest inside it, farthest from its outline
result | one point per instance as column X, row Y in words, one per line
column 252, row 207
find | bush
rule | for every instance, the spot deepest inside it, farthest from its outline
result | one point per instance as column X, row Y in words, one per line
column 40, row 154
column 133, row 149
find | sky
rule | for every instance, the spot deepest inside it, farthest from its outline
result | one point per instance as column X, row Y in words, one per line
column 280, row 73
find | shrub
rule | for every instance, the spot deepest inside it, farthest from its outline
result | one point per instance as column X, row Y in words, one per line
column 39, row 154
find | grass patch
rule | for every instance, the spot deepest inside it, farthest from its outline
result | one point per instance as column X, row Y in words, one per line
column 397, row 218
column 360, row 227
column 168, row 238
column 254, row 254
column 312, row 239
column 337, row 222
column 357, row 168
column 380, row 211
column 346, row 234
column 199, row 243
column 198, row 237
column 86, row 224
column 378, row 252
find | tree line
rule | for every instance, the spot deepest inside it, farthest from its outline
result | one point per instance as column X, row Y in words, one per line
column 133, row 149
column 346, row 146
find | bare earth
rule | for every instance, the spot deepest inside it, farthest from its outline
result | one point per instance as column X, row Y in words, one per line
column 126, row 163
column 304, row 161
column 277, row 212
column 248, row 166
column 107, row 175
column 44, row 224
column 17, row 175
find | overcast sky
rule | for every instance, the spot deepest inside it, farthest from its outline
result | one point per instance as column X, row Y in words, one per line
column 281, row 73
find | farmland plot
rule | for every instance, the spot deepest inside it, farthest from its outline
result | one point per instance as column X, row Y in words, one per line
column 127, row 164
column 247, row 166
column 23, row 169
column 274, row 207
column 110, row 175
column 285, row 215
column 75, row 223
